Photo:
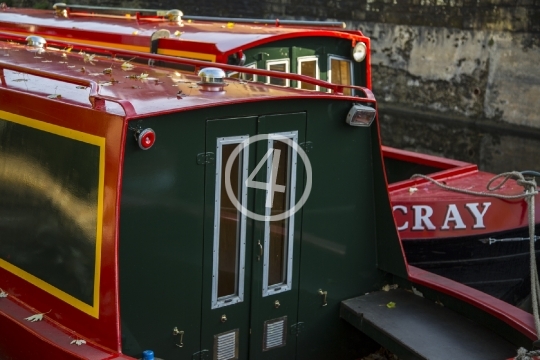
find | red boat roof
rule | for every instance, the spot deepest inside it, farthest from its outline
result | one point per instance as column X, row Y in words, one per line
column 149, row 89
column 218, row 38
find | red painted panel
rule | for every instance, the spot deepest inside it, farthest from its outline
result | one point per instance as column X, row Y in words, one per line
column 105, row 330
column 32, row 340
column 422, row 159
column 423, row 210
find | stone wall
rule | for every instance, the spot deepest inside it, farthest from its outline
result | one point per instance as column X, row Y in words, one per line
column 504, row 15
column 447, row 64
column 475, row 74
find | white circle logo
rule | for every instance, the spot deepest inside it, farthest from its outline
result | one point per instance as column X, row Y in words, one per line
column 270, row 187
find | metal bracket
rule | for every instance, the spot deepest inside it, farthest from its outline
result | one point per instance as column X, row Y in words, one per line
column 297, row 328
column 206, row 158
column 306, row 146
column 201, row 355
column 262, row 56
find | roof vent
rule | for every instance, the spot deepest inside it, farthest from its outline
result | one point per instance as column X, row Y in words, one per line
column 60, row 9
column 212, row 79
column 174, row 15
column 36, row 41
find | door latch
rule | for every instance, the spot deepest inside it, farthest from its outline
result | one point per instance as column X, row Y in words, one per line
column 323, row 294
column 260, row 250
column 181, row 333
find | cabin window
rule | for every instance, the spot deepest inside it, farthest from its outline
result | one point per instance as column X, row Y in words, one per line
column 278, row 65
column 244, row 76
column 229, row 226
column 340, row 71
column 279, row 235
column 309, row 66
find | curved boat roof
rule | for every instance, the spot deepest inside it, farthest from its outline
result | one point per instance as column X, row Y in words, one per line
column 217, row 38
column 132, row 89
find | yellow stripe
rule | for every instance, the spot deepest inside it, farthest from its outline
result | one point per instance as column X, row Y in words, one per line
column 187, row 54
column 86, row 138
column 143, row 49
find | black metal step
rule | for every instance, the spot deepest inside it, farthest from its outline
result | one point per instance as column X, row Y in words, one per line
column 417, row 328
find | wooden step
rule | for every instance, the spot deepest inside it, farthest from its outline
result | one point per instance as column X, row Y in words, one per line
column 417, row 328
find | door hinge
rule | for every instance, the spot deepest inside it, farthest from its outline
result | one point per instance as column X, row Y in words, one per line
column 201, row 355
column 306, row 146
column 297, row 328
column 206, row 158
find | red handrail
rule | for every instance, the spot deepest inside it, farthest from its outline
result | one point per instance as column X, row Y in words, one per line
column 95, row 99
column 336, row 88
column 94, row 10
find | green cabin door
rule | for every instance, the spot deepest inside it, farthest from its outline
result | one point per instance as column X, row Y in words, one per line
column 250, row 279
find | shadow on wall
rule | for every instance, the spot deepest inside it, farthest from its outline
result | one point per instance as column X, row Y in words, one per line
column 495, row 148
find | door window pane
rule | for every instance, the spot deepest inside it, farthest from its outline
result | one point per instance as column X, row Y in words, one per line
column 229, row 231
column 341, row 73
column 244, row 76
column 279, row 235
column 229, row 226
column 277, row 264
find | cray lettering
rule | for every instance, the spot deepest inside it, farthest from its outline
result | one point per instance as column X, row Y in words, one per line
column 453, row 219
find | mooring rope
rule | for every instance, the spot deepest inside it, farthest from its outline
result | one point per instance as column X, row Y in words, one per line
column 530, row 191
column 520, row 179
column 523, row 354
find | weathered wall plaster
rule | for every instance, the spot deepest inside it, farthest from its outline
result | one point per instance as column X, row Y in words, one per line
column 480, row 75
column 458, row 78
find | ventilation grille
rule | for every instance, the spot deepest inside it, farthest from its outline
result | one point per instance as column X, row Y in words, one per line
column 275, row 333
column 226, row 345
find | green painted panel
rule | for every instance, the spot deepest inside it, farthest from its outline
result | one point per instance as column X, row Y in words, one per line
column 339, row 239
column 160, row 254
column 237, row 314
column 249, row 315
column 264, row 307
column 320, row 47
column 390, row 256
column 49, row 208
column 166, row 232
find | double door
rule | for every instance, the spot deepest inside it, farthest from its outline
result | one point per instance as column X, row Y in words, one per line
column 252, row 237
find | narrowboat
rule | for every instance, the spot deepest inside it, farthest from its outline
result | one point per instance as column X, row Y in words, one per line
column 321, row 50
column 147, row 211
column 122, row 214
column 454, row 226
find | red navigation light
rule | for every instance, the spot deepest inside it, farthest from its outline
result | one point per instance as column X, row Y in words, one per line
column 146, row 138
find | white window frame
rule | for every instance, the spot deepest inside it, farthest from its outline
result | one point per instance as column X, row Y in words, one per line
column 239, row 296
column 252, row 65
column 329, row 72
column 302, row 59
column 287, row 285
column 278, row 62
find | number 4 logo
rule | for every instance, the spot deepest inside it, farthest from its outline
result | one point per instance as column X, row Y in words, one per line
column 271, row 187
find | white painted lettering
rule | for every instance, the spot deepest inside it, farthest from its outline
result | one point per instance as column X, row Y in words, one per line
column 403, row 209
column 422, row 213
column 478, row 216
column 452, row 214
